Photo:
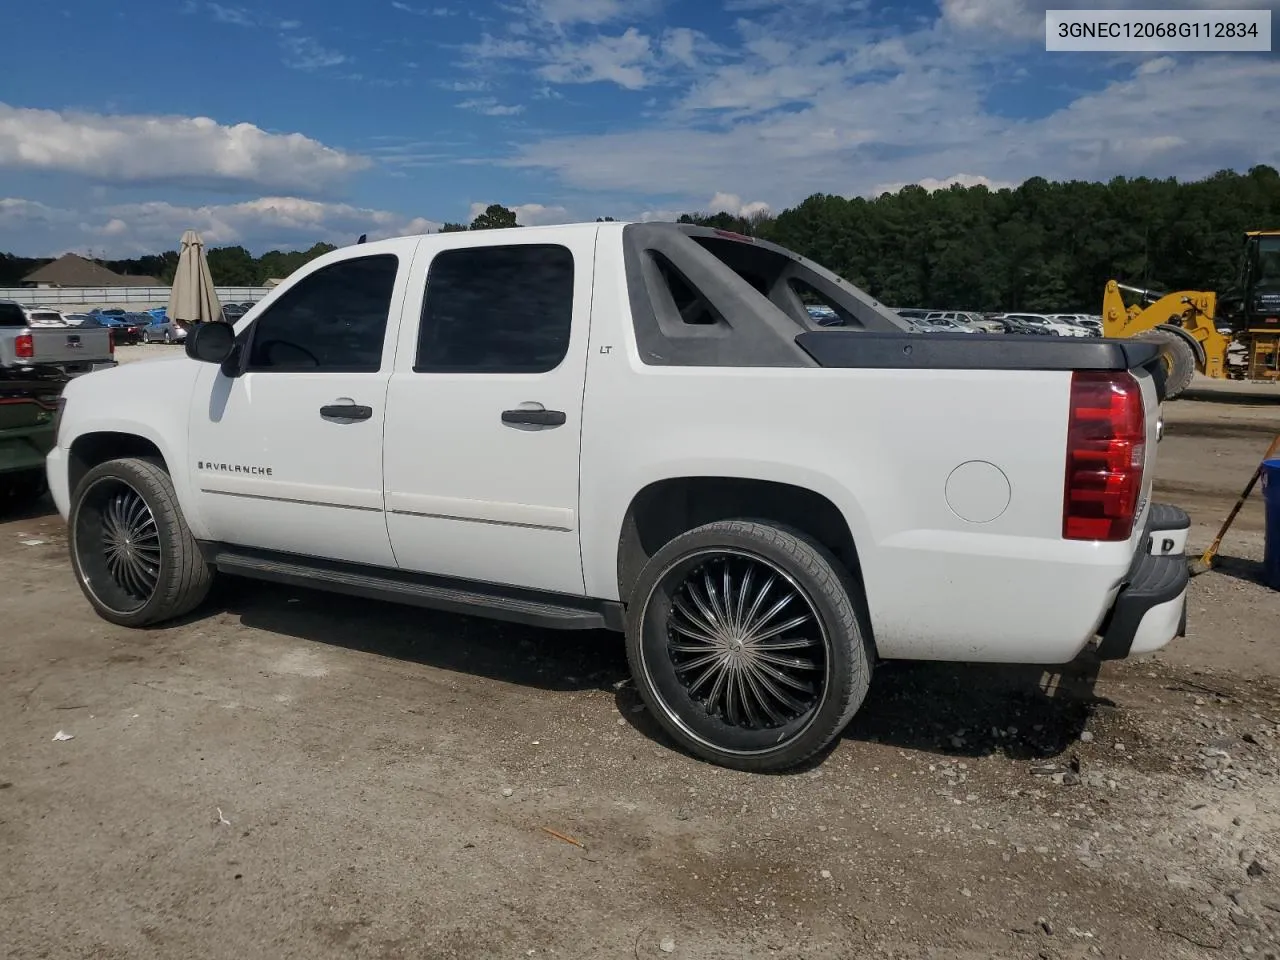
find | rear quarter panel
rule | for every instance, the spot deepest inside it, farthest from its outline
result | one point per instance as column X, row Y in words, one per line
column 882, row 445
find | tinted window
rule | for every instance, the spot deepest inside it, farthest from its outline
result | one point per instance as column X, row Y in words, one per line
column 333, row 320
column 497, row 310
column 11, row 315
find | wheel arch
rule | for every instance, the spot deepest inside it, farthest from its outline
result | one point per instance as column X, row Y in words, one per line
column 666, row 508
column 113, row 441
column 1197, row 348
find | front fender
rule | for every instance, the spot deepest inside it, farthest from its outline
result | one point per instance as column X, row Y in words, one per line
column 150, row 400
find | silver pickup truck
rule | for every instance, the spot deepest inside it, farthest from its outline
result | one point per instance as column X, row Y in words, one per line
column 70, row 350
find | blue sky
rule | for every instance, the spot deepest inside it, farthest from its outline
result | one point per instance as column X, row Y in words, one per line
column 285, row 122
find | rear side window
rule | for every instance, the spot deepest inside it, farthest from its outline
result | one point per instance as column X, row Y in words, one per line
column 334, row 320
column 502, row 309
column 11, row 315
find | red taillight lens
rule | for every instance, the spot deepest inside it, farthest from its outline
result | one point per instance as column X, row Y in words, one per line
column 24, row 347
column 111, row 341
column 1106, row 451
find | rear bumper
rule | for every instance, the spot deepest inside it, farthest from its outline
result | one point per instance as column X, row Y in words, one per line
column 1150, row 609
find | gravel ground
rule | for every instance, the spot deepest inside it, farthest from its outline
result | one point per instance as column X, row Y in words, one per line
column 290, row 774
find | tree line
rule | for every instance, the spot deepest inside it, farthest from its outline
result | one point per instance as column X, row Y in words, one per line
column 1040, row 246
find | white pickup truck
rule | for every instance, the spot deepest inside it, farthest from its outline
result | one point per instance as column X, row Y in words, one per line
column 641, row 427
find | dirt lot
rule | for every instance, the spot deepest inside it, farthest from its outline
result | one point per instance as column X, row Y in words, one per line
column 290, row 774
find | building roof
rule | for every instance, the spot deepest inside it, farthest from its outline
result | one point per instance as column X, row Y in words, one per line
column 70, row 270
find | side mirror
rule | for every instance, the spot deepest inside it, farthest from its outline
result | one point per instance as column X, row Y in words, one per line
column 211, row 342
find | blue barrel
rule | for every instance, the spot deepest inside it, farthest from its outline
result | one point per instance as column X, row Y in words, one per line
column 1271, row 503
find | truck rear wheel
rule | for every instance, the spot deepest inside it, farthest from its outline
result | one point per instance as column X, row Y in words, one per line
column 744, row 642
column 132, row 553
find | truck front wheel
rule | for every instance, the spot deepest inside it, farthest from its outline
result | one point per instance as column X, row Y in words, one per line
column 133, row 555
column 744, row 642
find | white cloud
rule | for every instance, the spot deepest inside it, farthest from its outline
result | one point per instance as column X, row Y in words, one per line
column 732, row 203
column 138, row 228
column 307, row 53
column 463, row 86
column 1157, row 65
column 800, row 109
column 14, row 210
column 1012, row 17
column 490, row 107
column 623, row 60
column 422, row 11
column 233, row 15
column 195, row 151
column 527, row 214
column 932, row 184
column 565, row 12
column 632, row 59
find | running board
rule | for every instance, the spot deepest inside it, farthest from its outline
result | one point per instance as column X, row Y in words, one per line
column 493, row 601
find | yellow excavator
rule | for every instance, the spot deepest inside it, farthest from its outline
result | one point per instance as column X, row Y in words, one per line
column 1199, row 338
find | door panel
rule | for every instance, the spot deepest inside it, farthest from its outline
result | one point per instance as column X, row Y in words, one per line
column 283, row 460
column 482, row 456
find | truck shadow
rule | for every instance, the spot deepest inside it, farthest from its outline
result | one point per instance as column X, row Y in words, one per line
column 942, row 708
column 1238, row 568
column 976, row 710
column 510, row 653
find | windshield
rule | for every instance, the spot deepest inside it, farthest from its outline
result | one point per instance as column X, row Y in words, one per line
column 1269, row 261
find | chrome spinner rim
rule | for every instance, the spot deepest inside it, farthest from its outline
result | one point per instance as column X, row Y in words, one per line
column 117, row 544
column 745, row 646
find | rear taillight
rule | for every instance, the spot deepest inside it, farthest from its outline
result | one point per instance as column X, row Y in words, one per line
column 1106, row 451
column 24, row 347
column 111, row 341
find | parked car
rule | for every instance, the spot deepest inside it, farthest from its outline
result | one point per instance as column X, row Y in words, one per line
column 122, row 331
column 1090, row 323
column 40, row 317
column 946, row 325
column 232, row 312
column 1013, row 325
column 138, row 323
column 824, row 316
column 108, row 311
column 605, row 461
column 1040, row 320
column 974, row 321
column 28, row 418
column 68, row 350
column 164, row 331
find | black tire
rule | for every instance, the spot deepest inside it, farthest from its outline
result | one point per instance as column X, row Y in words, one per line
column 1181, row 362
column 667, row 663
column 154, row 571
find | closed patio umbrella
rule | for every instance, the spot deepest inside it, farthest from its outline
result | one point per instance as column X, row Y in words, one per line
column 193, row 299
